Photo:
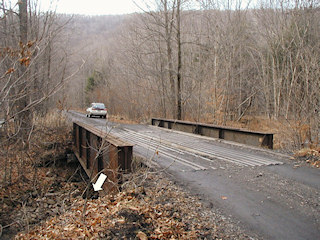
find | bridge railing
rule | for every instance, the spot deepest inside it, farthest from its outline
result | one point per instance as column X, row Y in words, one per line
column 99, row 151
column 261, row 139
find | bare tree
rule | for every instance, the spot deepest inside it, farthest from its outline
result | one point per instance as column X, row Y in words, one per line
column 291, row 45
column 220, row 63
column 27, row 35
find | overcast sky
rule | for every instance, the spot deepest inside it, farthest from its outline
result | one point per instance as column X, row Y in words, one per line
column 100, row 7
column 92, row 7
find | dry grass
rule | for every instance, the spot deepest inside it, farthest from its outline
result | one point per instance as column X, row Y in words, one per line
column 290, row 135
column 121, row 119
column 53, row 119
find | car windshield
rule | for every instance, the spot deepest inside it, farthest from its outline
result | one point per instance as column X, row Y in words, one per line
column 99, row 105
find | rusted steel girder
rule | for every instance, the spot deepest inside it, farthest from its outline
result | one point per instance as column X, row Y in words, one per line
column 260, row 139
column 100, row 152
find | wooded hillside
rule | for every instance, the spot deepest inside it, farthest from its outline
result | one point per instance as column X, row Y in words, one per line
column 216, row 64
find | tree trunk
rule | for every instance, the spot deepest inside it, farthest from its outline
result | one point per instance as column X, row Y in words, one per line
column 24, row 121
column 168, row 29
column 179, row 81
column 23, row 17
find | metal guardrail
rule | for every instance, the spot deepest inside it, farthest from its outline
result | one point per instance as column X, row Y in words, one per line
column 98, row 151
column 261, row 139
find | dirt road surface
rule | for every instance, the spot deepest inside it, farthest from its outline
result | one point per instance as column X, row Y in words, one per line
column 266, row 193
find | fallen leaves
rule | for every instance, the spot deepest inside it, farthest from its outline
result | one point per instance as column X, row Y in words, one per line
column 307, row 152
column 34, row 193
column 10, row 70
column 310, row 156
column 142, row 236
column 155, row 212
column 25, row 61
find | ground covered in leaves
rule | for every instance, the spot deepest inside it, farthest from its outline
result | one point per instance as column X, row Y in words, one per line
column 309, row 155
column 154, row 209
column 37, row 182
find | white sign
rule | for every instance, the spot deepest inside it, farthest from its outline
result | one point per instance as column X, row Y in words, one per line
column 97, row 186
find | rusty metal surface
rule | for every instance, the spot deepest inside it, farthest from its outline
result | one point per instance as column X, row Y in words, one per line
column 98, row 151
column 254, row 138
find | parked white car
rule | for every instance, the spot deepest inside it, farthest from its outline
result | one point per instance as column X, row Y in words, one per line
column 97, row 109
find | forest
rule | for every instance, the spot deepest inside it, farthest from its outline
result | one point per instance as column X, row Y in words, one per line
column 221, row 63
column 243, row 64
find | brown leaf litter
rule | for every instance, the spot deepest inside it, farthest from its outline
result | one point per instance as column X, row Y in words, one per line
column 157, row 209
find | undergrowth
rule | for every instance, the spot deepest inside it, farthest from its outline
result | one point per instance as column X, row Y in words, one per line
column 27, row 175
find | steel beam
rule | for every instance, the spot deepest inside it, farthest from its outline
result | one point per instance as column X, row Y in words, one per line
column 254, row 138
column 98, row 151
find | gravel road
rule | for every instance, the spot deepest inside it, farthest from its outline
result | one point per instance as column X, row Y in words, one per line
column 268, row 194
